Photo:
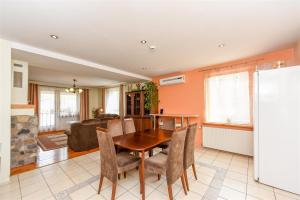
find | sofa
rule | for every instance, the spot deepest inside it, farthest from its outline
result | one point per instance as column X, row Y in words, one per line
column 82, row 136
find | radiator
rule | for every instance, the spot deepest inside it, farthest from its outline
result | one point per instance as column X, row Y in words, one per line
column 232, row 140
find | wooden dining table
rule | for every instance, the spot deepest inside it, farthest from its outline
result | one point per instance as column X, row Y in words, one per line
column 142, row 142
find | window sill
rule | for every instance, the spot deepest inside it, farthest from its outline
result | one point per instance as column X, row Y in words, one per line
column 229, row 126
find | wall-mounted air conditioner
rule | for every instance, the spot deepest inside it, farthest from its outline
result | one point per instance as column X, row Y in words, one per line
column 172, row 80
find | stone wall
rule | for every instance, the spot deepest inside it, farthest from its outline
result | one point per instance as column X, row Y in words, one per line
column 24, row 130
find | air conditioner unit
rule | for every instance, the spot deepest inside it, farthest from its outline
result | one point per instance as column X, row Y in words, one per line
column 172, row 80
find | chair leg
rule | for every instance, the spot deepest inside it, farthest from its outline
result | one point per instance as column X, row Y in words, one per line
column 113, row 194
column 170, row 192
column 158, row 176
column 186, row 180
column 124, row 174
column 100, row 183
column 119, row 176
column 183, row 184
column 194, row 170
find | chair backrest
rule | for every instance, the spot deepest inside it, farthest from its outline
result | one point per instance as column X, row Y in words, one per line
column 108, row 157
column 129, row 126
column 175, row 156
column 168, row 123
column 115, row 127
column 189, row 147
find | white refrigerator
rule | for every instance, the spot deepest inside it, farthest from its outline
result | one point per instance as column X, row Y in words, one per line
column 277, row 128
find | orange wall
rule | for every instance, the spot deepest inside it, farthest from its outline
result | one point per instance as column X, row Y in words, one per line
column 188, row 98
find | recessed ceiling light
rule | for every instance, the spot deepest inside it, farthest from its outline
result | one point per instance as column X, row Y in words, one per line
column 54, row 36
column 143, row 41
column 221, row 45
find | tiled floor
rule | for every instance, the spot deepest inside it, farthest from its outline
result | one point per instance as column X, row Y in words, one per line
column 221, row 176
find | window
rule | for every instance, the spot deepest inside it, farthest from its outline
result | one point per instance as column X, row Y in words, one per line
column 47, row 109
column 112, row 96
column 68, row 104
column 56, row 108
column 227, row 99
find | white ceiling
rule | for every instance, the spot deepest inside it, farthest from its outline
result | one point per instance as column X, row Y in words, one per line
column 187, row 33
column 48, row 70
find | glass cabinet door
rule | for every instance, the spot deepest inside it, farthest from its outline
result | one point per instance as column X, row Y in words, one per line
column 137, row 104
column 128, row 104
column 146, row 111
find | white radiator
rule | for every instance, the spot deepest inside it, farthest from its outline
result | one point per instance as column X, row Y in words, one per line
column 236, row 141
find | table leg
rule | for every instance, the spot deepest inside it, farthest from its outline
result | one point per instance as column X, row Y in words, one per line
column 154, row 122
column 188, row 121
column 143, row 174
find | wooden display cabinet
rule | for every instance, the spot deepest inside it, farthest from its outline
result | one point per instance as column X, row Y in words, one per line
column 135, row 108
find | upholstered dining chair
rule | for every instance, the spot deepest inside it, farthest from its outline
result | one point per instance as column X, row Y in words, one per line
column 170, row 165
column 113, row 163
column 115, row 127
column 189, row 148
column 129, row 126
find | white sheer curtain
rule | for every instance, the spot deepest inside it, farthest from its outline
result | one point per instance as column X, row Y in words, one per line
column 227, row 98
column 112, row 100
column 57, row 108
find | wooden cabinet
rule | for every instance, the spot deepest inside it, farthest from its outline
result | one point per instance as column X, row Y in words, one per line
column 135, row 108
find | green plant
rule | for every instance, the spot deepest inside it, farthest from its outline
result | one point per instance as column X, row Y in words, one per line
column 151, row 95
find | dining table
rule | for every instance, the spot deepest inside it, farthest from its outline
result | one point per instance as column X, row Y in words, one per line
column 143, row 141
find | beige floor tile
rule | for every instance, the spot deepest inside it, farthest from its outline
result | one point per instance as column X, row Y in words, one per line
column 206, row 170
column 129, row 182
column 237, row 176
column 10, row 195
column 81, row 177
column 206, row 179
column 61, row 186
column 260, row 193
column 107, row 192
column 231, row 194
column 190, row 196
column 281, row 194
column 198, row 187
column 97, row 197
column 28, row 189
column 127, row 196
column 106, row 183
column 40, row 194
column 254, row 183
column 30, row 174
column 249, row 197
column 136, row 190
column 12, row 186
column 83, row 193
column 157, row 195
column 163, row 188
column 236, row 185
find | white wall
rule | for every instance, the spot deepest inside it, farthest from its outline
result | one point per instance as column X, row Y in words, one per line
column 5, row 111
column 19, row 95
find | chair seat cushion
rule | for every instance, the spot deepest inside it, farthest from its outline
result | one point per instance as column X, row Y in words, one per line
column 124, row 159
column 157, row 163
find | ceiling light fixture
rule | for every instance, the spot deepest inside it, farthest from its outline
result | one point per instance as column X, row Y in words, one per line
column 54, row 36
column 74, row 89
column 143, row 41
column 221, row 45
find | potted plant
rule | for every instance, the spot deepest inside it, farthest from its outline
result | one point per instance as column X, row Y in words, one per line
column 151, row 96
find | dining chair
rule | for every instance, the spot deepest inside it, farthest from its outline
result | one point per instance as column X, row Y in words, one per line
column 129, row 126
column 189, row 148
column 170, row 165
column 115, row 127
column 112, row 163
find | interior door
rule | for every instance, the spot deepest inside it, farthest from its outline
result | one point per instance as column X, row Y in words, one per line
column 279, row 128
